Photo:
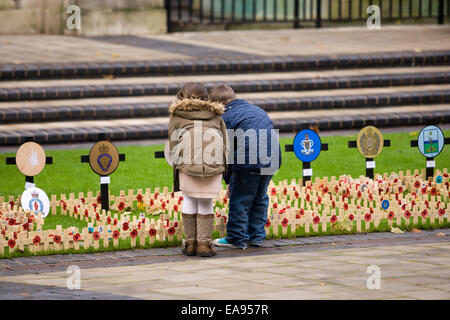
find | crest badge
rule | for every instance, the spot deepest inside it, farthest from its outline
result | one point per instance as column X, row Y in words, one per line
column 36, row 201
column 369, row 142
column 307, row 145
column 104, row 158
column 431, row 141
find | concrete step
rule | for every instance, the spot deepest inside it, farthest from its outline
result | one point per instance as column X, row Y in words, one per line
column 232, row 65
column 306, row 84
column 286, row 122
column 272, row 101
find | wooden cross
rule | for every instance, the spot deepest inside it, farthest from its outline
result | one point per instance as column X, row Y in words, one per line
column 370, row 163
column 430, row 160
column 29, row 180
column 306, row 166
column 104, row 179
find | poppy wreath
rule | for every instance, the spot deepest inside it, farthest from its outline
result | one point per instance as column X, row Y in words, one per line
column 424, row 213
column 125, row 226
column 391, row 215
column 37, row 240
column 407, row 214
column 441, row 212
column 351, row 217
column 284, row 222
column 116, row 234
column 11, row 243
column 171, row 231
column 76, row 237
column 316, row 220
column 56, row 239
column 333, row 218
column 152, row 232
column 133, row 233
column 367, row 217
column 96, row 235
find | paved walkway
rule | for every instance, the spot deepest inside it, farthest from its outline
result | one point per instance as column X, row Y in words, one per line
column 222, row 45
column 412, row 266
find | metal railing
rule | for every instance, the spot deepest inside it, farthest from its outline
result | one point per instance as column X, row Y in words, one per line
column 182, row 13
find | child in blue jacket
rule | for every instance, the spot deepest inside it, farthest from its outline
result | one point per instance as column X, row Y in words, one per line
column 255, row 156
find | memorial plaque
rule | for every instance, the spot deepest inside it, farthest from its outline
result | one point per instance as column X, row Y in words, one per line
column 36, row 200
column 104, row 158
column 30, row 159
column 370, row 142
column 431, row 141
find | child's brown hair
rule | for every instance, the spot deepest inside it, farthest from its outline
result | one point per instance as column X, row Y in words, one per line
column 222, row 93
column 193, row 90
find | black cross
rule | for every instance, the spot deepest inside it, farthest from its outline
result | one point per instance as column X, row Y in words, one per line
column 307, row 164
column 369, row 171
column 104, row 194
column 12, row 160
column 430, row 170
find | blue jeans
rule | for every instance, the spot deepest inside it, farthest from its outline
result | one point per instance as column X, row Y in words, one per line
column 247, row 214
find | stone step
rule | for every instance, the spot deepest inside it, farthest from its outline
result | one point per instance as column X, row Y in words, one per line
column 287, row 122
column 306, row 84
column 216, row 66
column 289, row 103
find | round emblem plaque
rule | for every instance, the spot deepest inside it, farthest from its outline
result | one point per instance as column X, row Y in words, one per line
column 104, row 158
column 35, row 200
column 307, row 145
column 430, row 141
column 30, row 159
column 369, row 142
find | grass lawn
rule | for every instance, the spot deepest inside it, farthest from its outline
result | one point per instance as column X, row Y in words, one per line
column 141, row 170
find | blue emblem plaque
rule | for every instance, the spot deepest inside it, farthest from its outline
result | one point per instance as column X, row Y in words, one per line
column 307, row 145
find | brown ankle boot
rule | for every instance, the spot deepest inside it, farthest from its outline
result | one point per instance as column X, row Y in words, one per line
column 205, row 245
column 189, row 245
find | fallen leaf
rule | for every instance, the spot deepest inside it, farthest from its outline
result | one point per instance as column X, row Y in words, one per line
column 414, row 230
column 396, row 230
column 441, row 234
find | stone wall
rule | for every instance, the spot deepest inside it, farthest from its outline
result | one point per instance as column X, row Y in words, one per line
column 98, row 17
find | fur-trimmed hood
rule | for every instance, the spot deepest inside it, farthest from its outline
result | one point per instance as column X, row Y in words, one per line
column 196, row 105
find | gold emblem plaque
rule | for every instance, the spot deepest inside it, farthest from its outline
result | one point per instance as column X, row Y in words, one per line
column 30, row 159
column 370, row 142
column 104, row 158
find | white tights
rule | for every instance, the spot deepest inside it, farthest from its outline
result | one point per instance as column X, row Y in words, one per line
column 197, row 205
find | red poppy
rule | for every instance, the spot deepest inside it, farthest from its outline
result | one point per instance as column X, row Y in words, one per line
column 268, row 223
column 319, row 200
column 139, row 225
column 417, row 184
column 274, row 205
column 285, row 191
column 297, row 216
column 316, row 220
column 433, row 191
column 175, row 224
column 345, row 206
column 153, row 202
column 75, row 209
column 115, row 222
column 139, row 197
column 424, row 213
column 333, row 204
column 83, row 200
column 296, row 194
column 11, row 203
column 37, row 240
column 76, row 237
column 99, row 199
column 152, row 232
column 284, row 222
column 97, row 216
column 333, row 218
column 56, row 239
column 391, row 215
column 370, row 197
column 116, row 234
column 171, row 231
column 11, row 243
column 413, row 202
column 121, row 206
column 26, row 227
column 125, row 226
column 156, row 196
column 336, row 189
column 325, row 190
column 12, row 222
column 371, row 210
column 427, row 204
column 108, row 220
column 441, row 212
column 400, row 189
column 133, row 233
column 407, row 214
column 395, row 180
column 424, row 190
column 175, row 208
column 282, row 211
column 308, row 197
column 301, row 211
column 224, row 219
column 273, row 192
column 163, row 205
column 351, row 217
column 359, row 194
column 367, row 217
column 96, row 235
column 30, row 220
